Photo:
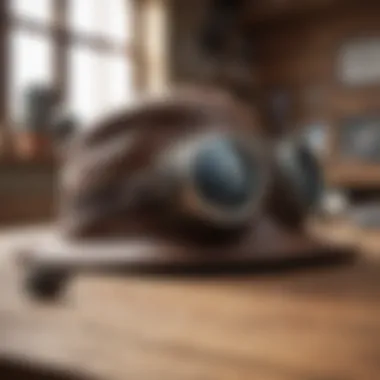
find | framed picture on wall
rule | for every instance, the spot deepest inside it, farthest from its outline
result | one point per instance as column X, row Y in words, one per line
column 359, row 62
column 359, row 139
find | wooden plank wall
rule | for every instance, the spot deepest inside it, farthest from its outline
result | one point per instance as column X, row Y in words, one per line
column 303, row 52
column 300, row 53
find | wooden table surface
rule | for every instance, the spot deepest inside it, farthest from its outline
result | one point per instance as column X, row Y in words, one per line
column 319, row 323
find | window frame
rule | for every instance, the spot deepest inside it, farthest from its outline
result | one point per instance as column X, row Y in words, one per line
column 62, row 39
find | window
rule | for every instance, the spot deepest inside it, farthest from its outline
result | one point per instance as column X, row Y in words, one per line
column 38, row 10
column 88, row 98
column 31, row 63
column 104, row 18
column 79, row 48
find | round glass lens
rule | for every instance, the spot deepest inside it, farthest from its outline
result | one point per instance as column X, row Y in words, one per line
column 223, row 174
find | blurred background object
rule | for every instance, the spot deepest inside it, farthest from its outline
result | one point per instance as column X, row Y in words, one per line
column 335, row 203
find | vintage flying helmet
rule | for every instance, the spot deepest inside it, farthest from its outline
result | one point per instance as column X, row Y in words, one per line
column 187, row 179
column 191, row 160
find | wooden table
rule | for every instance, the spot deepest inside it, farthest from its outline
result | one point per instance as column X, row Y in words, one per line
column 319, row 323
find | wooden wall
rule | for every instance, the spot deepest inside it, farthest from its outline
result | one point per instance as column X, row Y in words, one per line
column 296, row 48
column 300, row 54
column 186, row 61
column 303, row 52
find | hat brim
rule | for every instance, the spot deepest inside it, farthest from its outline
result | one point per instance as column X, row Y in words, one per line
column 267, row 245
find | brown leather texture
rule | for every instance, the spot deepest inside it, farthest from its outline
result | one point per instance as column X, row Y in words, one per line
column 111, row 190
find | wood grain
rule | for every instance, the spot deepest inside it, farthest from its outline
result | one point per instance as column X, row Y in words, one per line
column 318, row 323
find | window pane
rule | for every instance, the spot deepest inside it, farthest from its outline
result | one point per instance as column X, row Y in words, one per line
column 41, row 10
column 108, row 18
column 119, row 81
column 83, row 70
column 30, row 64
column 81, row 17
column 98, row 83
column 119, row 20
